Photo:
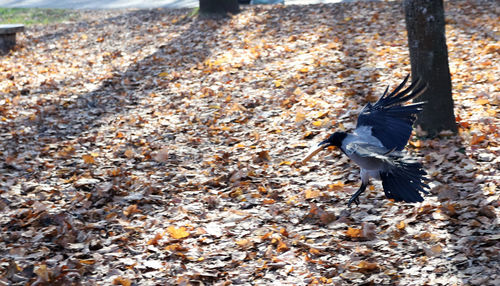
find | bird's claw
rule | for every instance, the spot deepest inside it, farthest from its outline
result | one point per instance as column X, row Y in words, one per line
column 355, row 200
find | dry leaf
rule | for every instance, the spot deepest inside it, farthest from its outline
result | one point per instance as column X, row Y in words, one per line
column 122, row 281
column 401, row 225
column 129, row 153
column 312, row 194
column 88, row 159
column 177, row 233
column 366, row 267
column 162, row 155
column 353, row 232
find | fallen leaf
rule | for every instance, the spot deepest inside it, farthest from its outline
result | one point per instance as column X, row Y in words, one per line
column 177, row 233
column 312, row 194
column 88, row 159
column 282, row 246
column 353, row 232
column 129, row 153
column 162, row 155
column 122, row 281
column 366, row 267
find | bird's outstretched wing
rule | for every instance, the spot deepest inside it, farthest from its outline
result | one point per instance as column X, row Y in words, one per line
column 390, row 121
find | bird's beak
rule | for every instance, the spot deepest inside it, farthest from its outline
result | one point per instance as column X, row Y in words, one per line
column 315, row 151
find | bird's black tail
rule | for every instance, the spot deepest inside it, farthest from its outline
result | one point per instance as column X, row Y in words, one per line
column 404, row 181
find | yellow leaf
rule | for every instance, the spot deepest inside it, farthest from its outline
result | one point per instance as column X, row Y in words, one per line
column 282, row 247
column 416, row 144
column 300, row 116
column 87, row 261
column 311, row 194
column 177, row 233
column 336, row 185
column 482, row 101
column 322, row 114
column 244, row 243
column 88, row 159
column 304, row 70
column 297, row 91
column 277, row 83
column 401, row 225
column 317, row 123
column 163, row 74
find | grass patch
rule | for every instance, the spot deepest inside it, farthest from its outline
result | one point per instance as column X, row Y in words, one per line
column 31, row 16
column 194, row 12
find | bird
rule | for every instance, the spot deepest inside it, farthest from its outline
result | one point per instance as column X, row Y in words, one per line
column 376, row 145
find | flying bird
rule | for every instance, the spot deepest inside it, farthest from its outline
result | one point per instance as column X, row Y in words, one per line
column 376, row 145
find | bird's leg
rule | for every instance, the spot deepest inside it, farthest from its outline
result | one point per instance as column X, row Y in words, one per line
column 354, row 197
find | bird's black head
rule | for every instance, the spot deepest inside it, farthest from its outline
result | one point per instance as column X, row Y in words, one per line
column 335, row 139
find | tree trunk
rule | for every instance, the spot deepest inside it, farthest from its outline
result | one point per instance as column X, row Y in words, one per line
column 219, row 6
column 429, row 61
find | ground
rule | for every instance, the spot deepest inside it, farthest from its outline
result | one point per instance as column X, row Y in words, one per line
column 153, row 147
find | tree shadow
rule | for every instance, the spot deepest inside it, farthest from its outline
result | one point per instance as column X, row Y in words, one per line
column 121, row 92
column 57, row 130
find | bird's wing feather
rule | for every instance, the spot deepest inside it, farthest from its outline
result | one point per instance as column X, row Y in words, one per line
column 390, row 121
column 367, row 156
column 403, row 178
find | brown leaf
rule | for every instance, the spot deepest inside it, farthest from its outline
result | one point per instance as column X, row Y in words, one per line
column 122, row 281
column 88, row 159
column 132, row 209
column 244, row 243
column 262, row 156
column 129, row 153
column 434, row 250
column 353, row 232
column 366, row 267
column 155, row 239
column 162, row 155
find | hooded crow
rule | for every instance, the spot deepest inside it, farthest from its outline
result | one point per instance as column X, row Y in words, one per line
column 376, row 145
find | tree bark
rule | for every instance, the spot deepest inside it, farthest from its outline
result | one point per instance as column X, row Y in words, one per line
column 219, row 6
column 429, row 61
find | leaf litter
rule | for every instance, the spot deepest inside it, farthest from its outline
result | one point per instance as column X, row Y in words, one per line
column 146, row 147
